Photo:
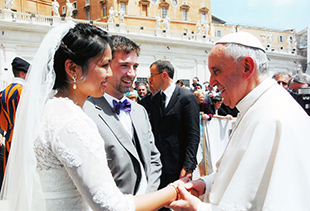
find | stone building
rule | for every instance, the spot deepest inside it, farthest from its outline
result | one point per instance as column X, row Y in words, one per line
column 42, row 7
column 183, row 15
column 180, row 31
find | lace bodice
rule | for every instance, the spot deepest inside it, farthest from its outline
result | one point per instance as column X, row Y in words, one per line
column 72, row 162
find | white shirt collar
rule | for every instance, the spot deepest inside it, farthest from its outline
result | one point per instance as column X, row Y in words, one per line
column 19, row 80
column 251, row 97
column 169, row 91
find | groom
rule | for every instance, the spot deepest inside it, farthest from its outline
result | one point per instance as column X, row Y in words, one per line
column 124, row 125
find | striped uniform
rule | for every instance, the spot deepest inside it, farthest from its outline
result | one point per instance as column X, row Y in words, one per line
column 9, row 99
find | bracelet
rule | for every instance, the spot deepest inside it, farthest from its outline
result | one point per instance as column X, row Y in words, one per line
column 176, row 190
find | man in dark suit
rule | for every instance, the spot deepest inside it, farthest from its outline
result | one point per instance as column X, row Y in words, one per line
column 174, row 115
column 124, row 125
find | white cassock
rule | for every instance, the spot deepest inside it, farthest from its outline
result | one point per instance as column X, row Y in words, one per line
column 266, row 165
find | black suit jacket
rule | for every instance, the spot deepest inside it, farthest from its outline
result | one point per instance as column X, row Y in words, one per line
column 176, row 131
column 146, row 103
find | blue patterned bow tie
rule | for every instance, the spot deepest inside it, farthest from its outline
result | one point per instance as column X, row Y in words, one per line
column 125, row 105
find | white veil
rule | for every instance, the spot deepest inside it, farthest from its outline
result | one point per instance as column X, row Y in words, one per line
column 21, row 185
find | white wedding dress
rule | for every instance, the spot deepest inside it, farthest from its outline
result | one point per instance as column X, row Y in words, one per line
column 72, row 162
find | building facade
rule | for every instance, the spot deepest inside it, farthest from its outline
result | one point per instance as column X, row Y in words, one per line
column 182, row 15
column 42, row 7
column 180, row 31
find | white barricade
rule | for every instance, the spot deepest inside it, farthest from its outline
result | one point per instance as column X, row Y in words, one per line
column 213, row 141
column 4, row 205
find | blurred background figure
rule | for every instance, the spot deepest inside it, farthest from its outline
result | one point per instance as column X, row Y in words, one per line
column 300, row 90
column 142, row 91
column 300, row 80
column 9, row 101
column 204, row 107
column 195, row 82
column 179, row 83
column 217, row 110
column 136, row 85
column 198, row 87
column 133, row 97
column 282, row 78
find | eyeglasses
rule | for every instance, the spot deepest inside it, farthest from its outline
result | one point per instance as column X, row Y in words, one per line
column 154, row 74
column 282, row 82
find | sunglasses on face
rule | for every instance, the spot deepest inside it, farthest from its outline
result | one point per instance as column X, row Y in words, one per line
column 282, row 82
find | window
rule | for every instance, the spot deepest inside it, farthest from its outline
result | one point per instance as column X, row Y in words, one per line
column 87, row 14
column 142, row 79
column 203, row 17
column 86, row 2
column 122, row 6
column 290, row 39
column 174, row 3
column 63, row 10
column 184, row 8
column 164, row 12
column 186, row 82
column 144, row 10
column 218, row 33
column 280, row 39
column 104, row 10
column 154, row 1
column 74, row 5
column 184, row 15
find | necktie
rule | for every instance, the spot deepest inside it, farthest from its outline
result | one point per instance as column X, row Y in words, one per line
column 163, row 100
column 125, row 105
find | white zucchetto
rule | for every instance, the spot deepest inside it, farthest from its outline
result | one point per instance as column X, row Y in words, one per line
column 242, row 38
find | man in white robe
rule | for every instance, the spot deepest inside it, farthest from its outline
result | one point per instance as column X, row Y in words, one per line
column 266, row 165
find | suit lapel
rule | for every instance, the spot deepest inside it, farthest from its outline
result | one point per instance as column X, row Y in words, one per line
column 136, row 121
column 111, row 120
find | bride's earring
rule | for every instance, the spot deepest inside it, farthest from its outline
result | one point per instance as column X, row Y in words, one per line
column 74, row 81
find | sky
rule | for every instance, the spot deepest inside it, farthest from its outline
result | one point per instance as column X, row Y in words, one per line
column 270, row 14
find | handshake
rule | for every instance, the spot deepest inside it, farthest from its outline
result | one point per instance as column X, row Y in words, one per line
column 188, row 193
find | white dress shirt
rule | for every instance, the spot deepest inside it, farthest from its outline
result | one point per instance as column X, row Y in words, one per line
column 168, row 92
column 123, row 116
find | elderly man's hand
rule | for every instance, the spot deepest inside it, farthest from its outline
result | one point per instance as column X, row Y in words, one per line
column 187, row 201
column 196, row 187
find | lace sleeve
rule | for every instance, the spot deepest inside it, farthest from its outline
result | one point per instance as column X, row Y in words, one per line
column 80, row 148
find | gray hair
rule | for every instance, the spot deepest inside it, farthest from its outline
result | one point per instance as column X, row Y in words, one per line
column 301, row 78
column 237, row 52
column 281, row 73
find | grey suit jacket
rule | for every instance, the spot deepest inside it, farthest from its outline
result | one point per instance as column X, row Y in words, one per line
column 122, row 155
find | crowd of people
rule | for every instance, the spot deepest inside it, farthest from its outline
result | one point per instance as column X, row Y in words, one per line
column 80, row 143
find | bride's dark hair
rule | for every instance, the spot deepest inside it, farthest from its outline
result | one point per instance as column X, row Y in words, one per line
column 80, row 44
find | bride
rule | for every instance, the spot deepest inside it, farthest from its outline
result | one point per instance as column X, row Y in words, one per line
column 57, row 159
